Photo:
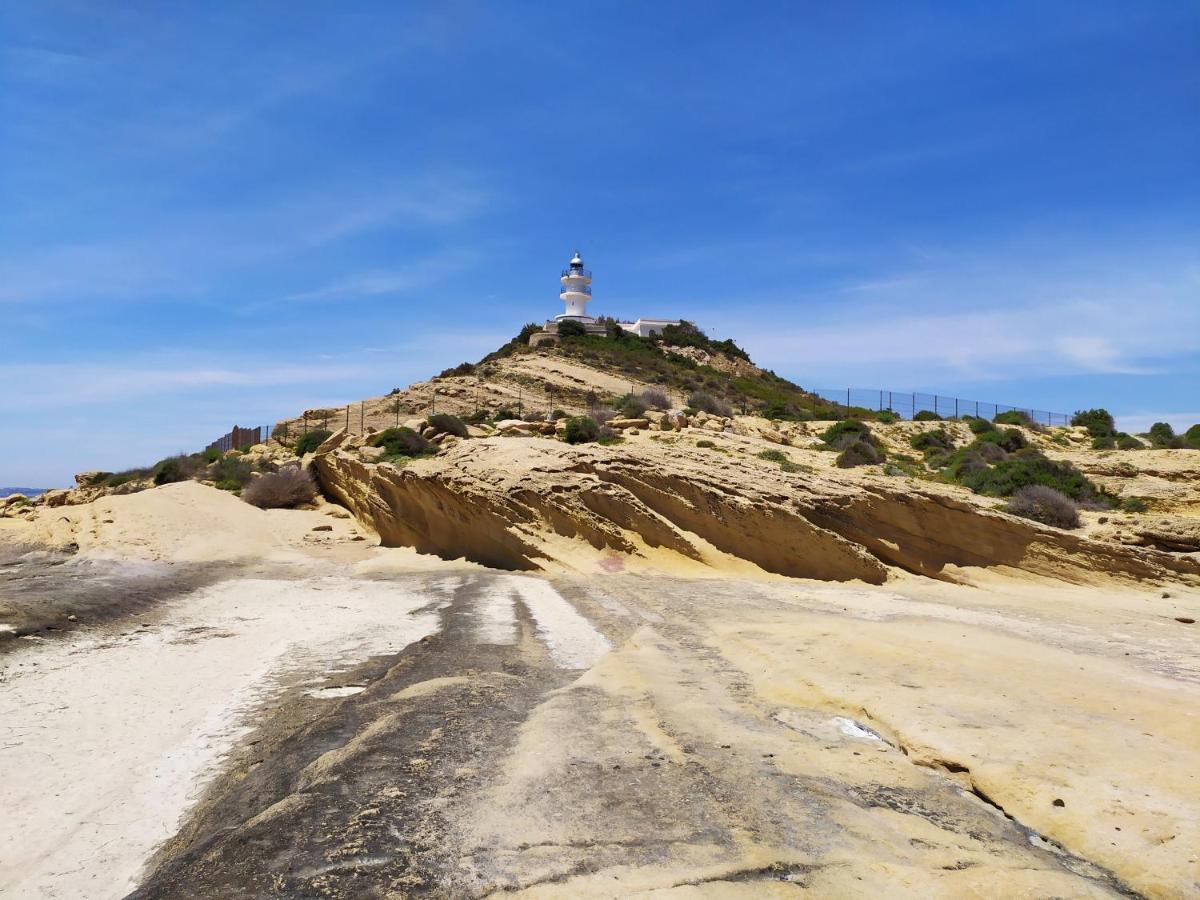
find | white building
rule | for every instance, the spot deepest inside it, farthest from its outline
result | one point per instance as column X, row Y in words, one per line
column 575, row 292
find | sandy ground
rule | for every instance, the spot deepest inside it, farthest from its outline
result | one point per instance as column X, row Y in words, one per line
column 335, row 720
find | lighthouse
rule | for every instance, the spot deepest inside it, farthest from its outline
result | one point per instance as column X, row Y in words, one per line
column 576, row 291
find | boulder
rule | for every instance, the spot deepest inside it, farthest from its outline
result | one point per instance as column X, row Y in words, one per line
column 86, row 479
column 371, row 454
column 55, row 497
column 628, row 423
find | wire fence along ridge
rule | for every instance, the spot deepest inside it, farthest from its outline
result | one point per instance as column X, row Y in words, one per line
column 906, row 404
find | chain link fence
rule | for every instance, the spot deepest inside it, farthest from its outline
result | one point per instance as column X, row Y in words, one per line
column 906, row 404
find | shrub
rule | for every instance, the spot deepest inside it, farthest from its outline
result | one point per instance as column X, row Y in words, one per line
column 990, row 452
column 557, row 414
column 309, row 442
column 858, row 453
column 465, row 368
column 1191, row 437
column 966, row 463
column 212, row 454
column 928, row 441
column 1014, row 417
column 980, row 426
column 478, row 417
column 176, row 468
column 842, row 434
column 1010, row 439
column 1128, row 442
column 400, row 441
column 582, row 430
column 1099, row 422
column 1134, row 505
column 1163, row 435
column 288, row 488
column 778, row 456
column 927, row 415
column 1044, row 504
column 655, row 399
column 608, row 436
column 448, row 424
column 1007, row 477
column 709, row 404
column 707, row 444
column 632, row 408
column 230, row 473
column 885, row 417
column 1104, row 442
column 504, row 413
column 571, row 328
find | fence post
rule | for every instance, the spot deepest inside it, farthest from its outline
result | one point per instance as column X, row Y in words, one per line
column 520, row 403
column 362, row 416
column 347, row 417
column 306, row 423
column 847, row 399
column 956, row 407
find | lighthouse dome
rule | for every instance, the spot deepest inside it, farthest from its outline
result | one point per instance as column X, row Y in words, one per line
column 577, row 260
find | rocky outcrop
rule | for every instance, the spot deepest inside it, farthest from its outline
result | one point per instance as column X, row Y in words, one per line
column 510, row 504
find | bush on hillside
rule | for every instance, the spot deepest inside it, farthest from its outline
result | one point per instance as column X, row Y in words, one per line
column 1098, row 422
column 571, row 328
column 778, row 456
column 581, row 430
column 309, row 442
column 841, row 434
column 557, row 414
column 1104, row 442
column 928, row 441
column 504, row 413
column 400, row 441
column 1007, row 477
column 281, row 432
column 1010, row 439
column 858, row 453
column 1014, row 417
column 927, row 415
column 1134, row 505
column 230, row 473
column 176, row 468
column 448, row 424
column 212, row 454
column 288, row 488
column 980, row 426
column 1044, row 504
column 630, row 407
column 655, row 399
column 1128, row 442
column 707, row 403
column 1162, row 435
column 464, row 368
column 885, row 417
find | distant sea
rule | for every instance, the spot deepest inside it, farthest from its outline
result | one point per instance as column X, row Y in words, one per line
column 28, row 492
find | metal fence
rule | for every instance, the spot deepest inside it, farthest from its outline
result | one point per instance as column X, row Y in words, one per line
column 906, row 404
column 241, row 438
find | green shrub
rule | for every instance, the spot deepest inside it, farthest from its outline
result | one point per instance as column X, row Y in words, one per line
column 655, row 399
column 1162, row 435
column 980, row 426
column 1104, row 442
column 1010, row 439
column 1098, row 422
column 212, row 454
column 632, row 408
column 927, row 415
column 1191, row 437
column 841, row 434
column 176, row 468
column 400, row 441
column 504, row 413
column 1014, row 417
column 581, row 430
column 571, row 328
column 557, row 414
column 230, row 473
column 448, row 424
column 778, row 456
column 965, row 463
column 309, row 442
column 1044, row 504
column 707, row 444
column 465, row 368
column 1134, row 505
column 928, row 441
column 280, row 432
column 858, row 453
column 886, row 417
column 1005, row 478
column 478, row 417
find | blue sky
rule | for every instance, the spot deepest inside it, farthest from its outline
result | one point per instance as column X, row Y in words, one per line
column 220, row 213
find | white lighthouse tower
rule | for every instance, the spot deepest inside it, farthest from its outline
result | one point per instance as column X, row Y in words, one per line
column 576, row 291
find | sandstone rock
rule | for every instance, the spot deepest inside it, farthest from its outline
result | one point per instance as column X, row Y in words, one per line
column 322, row 528
column 620, row 424
column 429, row 432
column 86, row 479
column 371, row 454
column 54, row 498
